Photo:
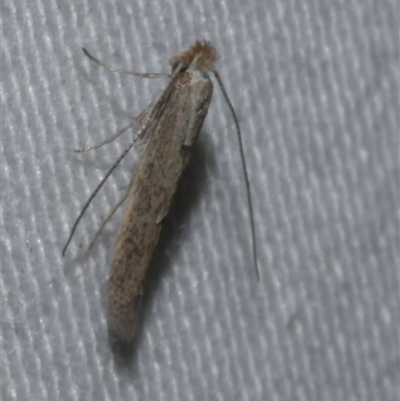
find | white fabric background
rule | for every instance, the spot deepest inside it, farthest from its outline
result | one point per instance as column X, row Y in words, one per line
column 315, row 86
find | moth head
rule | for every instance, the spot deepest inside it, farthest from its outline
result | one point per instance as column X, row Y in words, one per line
column 201, row 55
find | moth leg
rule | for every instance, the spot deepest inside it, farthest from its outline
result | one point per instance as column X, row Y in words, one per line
column 110, row 214
column 135, row 121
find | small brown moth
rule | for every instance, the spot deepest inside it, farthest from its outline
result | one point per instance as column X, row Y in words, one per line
column 169, row 127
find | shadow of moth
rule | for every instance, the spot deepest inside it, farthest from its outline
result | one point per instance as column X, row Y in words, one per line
column 169, row 126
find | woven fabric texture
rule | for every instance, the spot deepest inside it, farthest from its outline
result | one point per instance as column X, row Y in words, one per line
column 315, row 85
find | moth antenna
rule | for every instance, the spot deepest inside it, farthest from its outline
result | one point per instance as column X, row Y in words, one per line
column 246, row 175
column 125, row 72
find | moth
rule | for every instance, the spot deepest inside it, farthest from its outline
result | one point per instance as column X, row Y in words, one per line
column 169, row 127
